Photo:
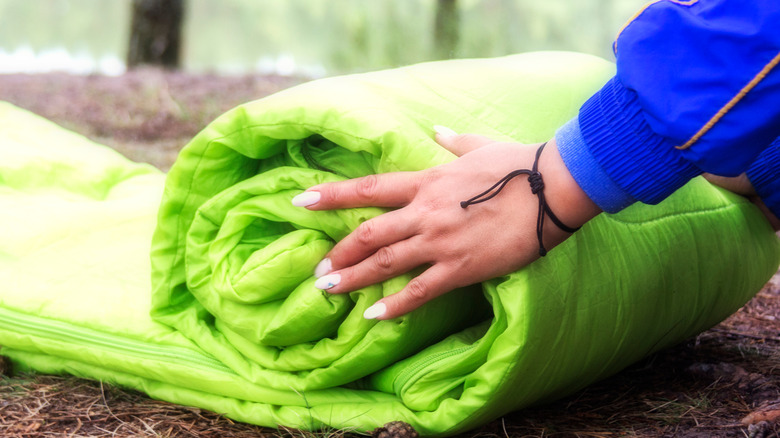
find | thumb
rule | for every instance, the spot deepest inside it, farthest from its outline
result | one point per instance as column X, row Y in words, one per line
column 459, row 144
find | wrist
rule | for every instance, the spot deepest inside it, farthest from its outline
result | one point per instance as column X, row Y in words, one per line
column 565, row 197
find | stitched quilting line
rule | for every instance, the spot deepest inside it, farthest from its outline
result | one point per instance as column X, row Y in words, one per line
column 681, row 214
column 182, row 227
column 731, row 103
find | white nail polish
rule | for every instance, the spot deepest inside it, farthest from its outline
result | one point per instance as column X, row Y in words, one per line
column 375, row 311
column 323, row 268
column 306, row 199
column 443, row 130
column 327, row 282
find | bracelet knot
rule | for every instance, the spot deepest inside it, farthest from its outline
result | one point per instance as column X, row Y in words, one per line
column 537, row 188
column 537, row 184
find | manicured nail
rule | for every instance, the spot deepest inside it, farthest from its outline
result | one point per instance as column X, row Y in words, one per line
column 323, row 268
column 306, row 199
column 375, row 311
column 443, row 130
column 327, row 282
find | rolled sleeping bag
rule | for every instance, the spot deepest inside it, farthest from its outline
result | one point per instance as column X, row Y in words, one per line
column 236, row 325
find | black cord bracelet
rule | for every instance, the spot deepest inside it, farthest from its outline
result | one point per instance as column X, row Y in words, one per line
column 537, row 188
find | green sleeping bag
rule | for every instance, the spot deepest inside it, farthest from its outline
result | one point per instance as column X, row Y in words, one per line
column 226, row 317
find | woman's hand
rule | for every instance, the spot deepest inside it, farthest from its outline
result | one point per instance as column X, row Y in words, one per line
column 741, row 185
column 429, row 228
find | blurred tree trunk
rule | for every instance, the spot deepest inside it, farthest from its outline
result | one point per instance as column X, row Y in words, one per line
column 155, row 33
column 446, row 28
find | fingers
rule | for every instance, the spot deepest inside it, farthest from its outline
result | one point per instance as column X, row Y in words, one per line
column 387, row 262
column 384, row 190
column 460, row 144
column 435, row 281
column 369, row 237
column 394, row 189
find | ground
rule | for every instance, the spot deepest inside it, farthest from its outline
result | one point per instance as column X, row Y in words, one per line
column 722, row 383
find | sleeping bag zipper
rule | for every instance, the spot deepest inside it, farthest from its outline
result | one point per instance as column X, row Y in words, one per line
column 59, row 331
column 415, row 370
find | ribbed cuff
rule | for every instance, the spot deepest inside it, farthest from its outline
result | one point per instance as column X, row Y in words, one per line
column 587, row 172
column 641, row 163
column 764, row 174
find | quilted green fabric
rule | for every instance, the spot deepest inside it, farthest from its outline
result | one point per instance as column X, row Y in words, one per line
column 234, row 323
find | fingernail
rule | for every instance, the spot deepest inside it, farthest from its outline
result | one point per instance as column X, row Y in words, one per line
column 306, row 199
column 323, row 268
column 443, row 130
column 375, row 311
column 327, row 282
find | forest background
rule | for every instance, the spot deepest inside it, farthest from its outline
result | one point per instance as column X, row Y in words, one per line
column 67, row 60
column 304, row 37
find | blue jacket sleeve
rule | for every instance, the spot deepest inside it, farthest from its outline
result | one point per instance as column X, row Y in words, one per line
column 696, row 90
column 764, row 174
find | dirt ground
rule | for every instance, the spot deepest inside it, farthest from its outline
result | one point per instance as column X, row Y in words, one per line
column 723, row 383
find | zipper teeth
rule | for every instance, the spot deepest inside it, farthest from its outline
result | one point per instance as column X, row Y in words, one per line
column 406, row 375
column 61, row 331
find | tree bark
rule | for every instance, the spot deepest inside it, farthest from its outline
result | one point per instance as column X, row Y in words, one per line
column 446, row 28
column 155, row 33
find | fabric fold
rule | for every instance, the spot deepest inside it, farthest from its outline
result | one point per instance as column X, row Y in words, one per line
column 232, row 321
